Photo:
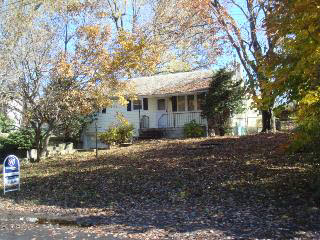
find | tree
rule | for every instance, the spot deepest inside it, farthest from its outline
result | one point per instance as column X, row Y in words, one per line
column 225, row 98
column 5, row 123
column 246, row 32
column 184, row 41
column 188, row 40
column 294, row 27
column 53, row 87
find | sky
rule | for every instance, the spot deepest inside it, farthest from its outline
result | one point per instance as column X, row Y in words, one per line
column 221, row 61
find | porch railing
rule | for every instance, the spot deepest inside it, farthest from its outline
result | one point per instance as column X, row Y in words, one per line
column 175, row 120
column 144, row 121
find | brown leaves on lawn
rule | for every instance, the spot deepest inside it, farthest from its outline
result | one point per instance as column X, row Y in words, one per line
column 184, row 189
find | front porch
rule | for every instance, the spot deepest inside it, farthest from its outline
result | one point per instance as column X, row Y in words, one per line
column 179, row 119
column 169, row 124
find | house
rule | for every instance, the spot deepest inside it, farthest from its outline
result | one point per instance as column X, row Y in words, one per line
column 165, row 103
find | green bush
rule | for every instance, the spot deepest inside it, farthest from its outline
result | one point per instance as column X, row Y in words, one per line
column 306, row 136
column 5, row 123
column 110, row 136
column 193, row 129
column 121, row 133
column 22, row 139
column 125, row 133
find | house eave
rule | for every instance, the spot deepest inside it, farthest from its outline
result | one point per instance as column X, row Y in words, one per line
column 172, row 94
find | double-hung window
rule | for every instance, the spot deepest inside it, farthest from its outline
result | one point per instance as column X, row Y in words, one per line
column 136, row 104
column 161, row 104
column 181, row 104
column 190, row 99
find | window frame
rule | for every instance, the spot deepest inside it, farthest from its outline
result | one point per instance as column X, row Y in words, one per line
column 135, row 106
column 164, row 104
column 145, row 103
column 200, row 100
column 179, row 105
column 193, row 103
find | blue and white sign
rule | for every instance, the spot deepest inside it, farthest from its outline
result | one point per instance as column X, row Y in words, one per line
column 11, row 174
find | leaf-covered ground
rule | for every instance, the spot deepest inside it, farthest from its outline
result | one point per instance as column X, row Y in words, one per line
column 209, row 188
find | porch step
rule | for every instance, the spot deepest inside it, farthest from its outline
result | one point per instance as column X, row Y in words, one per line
column 151, row 133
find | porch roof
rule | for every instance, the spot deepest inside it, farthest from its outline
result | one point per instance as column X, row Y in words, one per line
column 169, row 84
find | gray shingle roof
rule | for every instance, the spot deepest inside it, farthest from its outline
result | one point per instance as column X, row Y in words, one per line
column 173, row 83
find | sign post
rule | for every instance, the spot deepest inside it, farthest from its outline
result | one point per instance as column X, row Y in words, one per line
column 11, row 174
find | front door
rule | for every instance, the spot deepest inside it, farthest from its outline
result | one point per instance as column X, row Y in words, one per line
column 174, row 103
column 162, row 113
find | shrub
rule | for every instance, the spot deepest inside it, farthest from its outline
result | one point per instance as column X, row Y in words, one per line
column 109, row 136
column 16, row 143
column 307, row 135
column 5, row 123
column 22, row 139
column 120, row 133
column 306, row 138
column 125, row 133
column 193, row 129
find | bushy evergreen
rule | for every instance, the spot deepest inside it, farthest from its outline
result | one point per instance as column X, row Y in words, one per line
column 225, row 98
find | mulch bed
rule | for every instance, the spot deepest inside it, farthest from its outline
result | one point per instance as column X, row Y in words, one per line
column 225, row 187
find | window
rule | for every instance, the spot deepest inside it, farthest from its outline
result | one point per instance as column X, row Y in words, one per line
column 200, row 100
column 145, row 104
column 190, row 99
column 136, row 104
column 104, row 110
column 161, row 104
column 181, row 104
column 129, row 106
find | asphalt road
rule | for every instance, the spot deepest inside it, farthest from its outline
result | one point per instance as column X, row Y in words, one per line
column 32, row 231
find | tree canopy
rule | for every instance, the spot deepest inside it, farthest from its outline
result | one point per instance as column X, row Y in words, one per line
column 242, row 26
column 60, row 52
column 52, row 81
column 295, row 66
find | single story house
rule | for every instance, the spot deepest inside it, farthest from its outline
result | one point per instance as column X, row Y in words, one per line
column 164, row 104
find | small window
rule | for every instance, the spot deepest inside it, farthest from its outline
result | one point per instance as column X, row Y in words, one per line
column 181, row 104
column 161, row 104
column 104, row 110
column 129, row 106
column 145, row 104
column 200, row 100
column 190, row 99
column 136, row 104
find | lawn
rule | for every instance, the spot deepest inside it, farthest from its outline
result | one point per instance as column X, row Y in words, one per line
column 206, row 188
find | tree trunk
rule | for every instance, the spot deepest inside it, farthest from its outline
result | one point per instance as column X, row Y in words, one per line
column 42, row 144
column 38, row 143
column 222, row 131
column 216, row 126
column 266, row 120
column 211, row 128
column 45, row 143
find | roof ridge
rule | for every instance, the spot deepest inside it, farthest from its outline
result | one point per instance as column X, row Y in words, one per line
column 153, row 84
